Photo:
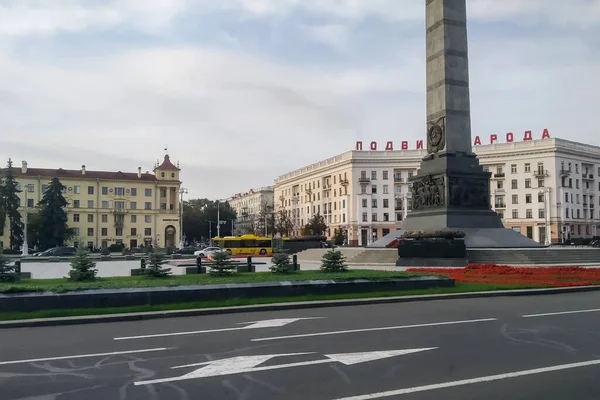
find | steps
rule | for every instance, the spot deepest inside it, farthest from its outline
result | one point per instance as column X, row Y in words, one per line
column 315, row 255
column 544, row 256
column 376, row 256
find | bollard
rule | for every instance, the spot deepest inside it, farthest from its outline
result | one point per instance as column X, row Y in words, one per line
column 199, row 264
column 142, row 263
column 295, row 263
column 18, row 270
column 250, row 266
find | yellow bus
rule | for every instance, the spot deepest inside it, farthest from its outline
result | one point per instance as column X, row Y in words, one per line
column 245, row 244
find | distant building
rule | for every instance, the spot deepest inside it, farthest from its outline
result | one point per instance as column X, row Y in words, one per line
column 536, row 186
column 107, row 207
column 250, row 206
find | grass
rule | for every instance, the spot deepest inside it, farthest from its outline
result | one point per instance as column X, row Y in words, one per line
column 461, row 287
column 64, row 285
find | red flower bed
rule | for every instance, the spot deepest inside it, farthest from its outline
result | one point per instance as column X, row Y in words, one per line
column 506, row 275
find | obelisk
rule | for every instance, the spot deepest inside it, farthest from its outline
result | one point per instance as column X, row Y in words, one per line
column 451, row 190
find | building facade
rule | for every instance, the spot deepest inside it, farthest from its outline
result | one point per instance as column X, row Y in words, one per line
column 546, row 189
column 111, row 207
column 250, row 206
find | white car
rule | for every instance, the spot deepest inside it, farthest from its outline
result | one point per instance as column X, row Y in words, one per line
column 208, row 251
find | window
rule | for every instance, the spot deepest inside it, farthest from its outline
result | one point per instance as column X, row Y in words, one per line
column 104, row 190
column 499, row 170
column 75, row 217
column 90, row 217
column 75, row 203
column 541, row 213
column 515, row 214
column 134, row 191
column 385, row 175
column 576, row 183
column 147, row 205
column 90, row 232
column 528, row 213
column 527, row 167
column 363, row 175
column 528, row 198
column 528, row 183
column 30, row 188
column 30, row 203
column 90, row 190
column 148, row 231
column 363, row 189
column 119, row 232
column 364, row 203
column 77, row 189
column 147, row 219
column 374, row 217
column 133, row 231
column 513, row 168
column 44, row 188
column 386, row 203
column 540, row 197
column 514, row 184
column 373, row 175
column 374, row 203
column 76, row 232
column 385, row 189
column 120, row 191
column 386, row 217
column 134, row 218
column 148, row 192
column 120, row 205
column 104, row 203
column 541, row 182
column 163, row 192
column 365, row 218
column 515, row 199
column 500, row 185
column 374, row 189
column 104, row 218
column 104, row 231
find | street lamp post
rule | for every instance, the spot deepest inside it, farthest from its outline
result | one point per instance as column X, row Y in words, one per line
column 218, row 219
column 25, row 250
column 182, row 191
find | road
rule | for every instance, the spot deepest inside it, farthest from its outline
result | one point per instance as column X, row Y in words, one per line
column 519, row 348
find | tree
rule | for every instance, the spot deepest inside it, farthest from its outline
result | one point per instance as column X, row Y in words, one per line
column 284, row 225
column 338, row 237
column 7, row 270
column 34, row 226
column 82, row 267
column 53, row 217
column 200, row 218
column 316, row 226
column 266, row 218
column 154, row 267
column 221, row 265
column 280, row 261
column 10, row 203
column 333, row 261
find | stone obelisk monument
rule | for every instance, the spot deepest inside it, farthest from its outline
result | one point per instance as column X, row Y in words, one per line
column 451, row 189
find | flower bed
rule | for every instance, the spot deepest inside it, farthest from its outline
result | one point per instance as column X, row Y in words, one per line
column 506, row 275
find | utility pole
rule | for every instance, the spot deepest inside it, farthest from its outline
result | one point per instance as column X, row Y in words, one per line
column 218, row 220
column 25, row 250
column 182, row 191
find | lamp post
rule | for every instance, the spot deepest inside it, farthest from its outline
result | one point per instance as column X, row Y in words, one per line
column 25, row 250
column 218, row 219
column 182, row 191
column 232, row 226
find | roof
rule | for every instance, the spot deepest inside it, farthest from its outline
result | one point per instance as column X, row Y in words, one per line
column 167, row 165
column 77, row 173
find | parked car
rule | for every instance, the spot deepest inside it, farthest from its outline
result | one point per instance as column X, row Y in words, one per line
column 187, row 250
column 62, row 251
column 206, row 251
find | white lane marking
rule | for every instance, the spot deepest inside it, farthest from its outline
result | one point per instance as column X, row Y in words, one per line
column 470, row 381
column 114, row 353
column 385, row 328
column 249, row 364
column 561, row 313
column 271, row 323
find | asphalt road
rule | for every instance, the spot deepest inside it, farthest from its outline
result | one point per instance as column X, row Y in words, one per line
column 497, row 348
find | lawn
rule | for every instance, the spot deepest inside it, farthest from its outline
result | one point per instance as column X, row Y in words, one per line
column 503, row 274
column 64, row 285
column 460, row 287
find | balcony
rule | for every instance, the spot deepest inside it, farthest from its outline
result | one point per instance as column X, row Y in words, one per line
column 399, row 207
column 364, row 179
column 585, row 204
column 565, row 172
column 499, row 190
column 499, row 175
column 344, row 182
column 540, row 173
column 499, row 205
column 398, row 179
column 589, row 177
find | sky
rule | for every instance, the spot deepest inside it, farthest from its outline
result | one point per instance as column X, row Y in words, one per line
column 242, row 91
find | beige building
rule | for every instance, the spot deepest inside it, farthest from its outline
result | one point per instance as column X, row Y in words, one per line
column 250, row 205
column 537, row 186
column 105, row 207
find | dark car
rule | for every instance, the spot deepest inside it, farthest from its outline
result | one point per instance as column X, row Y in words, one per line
column 187, row 250
column 62, row 251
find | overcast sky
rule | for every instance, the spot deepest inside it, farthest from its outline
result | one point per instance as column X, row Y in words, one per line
column 242, row 91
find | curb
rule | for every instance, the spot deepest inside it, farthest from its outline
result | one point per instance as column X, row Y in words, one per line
column 93, row 319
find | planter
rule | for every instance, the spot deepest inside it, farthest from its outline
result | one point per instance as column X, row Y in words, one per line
column 432, row 248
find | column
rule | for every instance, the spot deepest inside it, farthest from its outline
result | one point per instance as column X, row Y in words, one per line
column 168, row 190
